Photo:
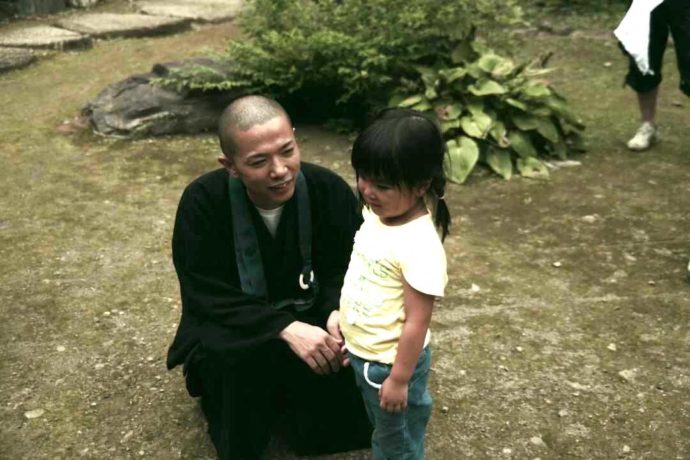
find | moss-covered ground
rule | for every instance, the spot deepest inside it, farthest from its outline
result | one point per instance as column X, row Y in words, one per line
column 564, row 334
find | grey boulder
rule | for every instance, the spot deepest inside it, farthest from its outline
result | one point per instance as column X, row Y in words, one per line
column 14, row 58
column 134, row 107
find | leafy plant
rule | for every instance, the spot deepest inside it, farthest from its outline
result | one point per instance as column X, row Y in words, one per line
column 345, row 59
column 344, row 56
column 493, row 110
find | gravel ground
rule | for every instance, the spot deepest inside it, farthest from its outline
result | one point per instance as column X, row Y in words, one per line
column 564, row 333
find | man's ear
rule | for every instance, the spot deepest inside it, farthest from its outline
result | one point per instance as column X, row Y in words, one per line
column 227, row 164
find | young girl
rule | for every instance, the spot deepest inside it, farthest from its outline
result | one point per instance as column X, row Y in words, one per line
column 397, row 268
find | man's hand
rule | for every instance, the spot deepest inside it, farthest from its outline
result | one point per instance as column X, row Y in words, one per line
column 393, row 395
column 333, row 327
column 314, row 346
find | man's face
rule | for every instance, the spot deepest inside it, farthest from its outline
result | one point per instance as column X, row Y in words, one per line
column 267, row 160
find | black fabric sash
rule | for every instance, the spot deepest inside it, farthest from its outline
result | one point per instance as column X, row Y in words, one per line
column 248, row 254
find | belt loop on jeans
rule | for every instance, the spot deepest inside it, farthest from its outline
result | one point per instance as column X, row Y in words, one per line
column 366, row 376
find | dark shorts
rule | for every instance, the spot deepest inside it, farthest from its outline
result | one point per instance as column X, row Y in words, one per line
column 672, row 16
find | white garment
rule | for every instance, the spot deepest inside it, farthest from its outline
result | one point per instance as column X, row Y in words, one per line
column 271, row 218
column 633, row 32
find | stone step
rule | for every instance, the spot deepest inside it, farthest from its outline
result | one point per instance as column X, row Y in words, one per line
column 45, row 37
column 14, row 58
column 195, row 10
column 110, row 25
column 82, row 3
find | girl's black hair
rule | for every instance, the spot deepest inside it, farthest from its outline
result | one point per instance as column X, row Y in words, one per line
column 404, row 147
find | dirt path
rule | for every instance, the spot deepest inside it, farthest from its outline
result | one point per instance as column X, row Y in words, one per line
column 573, row 342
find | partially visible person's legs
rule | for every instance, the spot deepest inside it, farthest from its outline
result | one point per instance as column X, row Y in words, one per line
column 679, row 22
column 398, row 436
column 646, row 135
column 647, row 103
column 647, row 86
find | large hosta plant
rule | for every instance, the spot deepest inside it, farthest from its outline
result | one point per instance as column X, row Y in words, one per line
column 493, row 111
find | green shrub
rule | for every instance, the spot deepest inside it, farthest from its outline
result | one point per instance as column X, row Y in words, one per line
column 345, row 59
column 493, row 110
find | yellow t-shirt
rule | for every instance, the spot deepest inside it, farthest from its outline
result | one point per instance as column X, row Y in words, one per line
column 371, row 302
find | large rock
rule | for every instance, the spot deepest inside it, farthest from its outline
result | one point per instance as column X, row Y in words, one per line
column 14, row 58
column 136, row 108
column 108, row 25
column 44, row 37
column 196, row 10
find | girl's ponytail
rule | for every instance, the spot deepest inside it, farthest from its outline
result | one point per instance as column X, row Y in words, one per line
column 441, row 213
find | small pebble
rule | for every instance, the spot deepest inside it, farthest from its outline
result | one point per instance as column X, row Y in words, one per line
column 557, row 264
column 34, row 413
column 651, row 282
column 507, row 451
column 626, row 449
column 126, row 437
column 612, row 347
column 628, row 374
column 475, row 288
column 519, row 349
column 60, row 348
column 444, row 409
column 537, row 441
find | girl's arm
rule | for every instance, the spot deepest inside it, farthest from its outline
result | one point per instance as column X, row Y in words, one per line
column 418, row 307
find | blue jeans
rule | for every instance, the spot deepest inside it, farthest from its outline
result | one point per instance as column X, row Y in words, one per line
column 397, row 435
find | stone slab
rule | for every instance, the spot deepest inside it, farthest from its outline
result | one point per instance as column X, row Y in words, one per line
column 195, row 10
column 109, row 25
column 15, row 58
column 45, row 37
column 82, row 3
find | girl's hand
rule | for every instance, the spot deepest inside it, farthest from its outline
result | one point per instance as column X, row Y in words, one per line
column 333, row 328
column 393, row 395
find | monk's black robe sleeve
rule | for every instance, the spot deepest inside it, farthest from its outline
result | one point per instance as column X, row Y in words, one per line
column 216, row 314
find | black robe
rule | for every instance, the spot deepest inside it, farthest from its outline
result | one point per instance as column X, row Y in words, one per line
column 215, row 312
column 228, row 340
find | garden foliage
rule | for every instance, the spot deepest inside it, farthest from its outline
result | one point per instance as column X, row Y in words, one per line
column 349, row 58
column 493, row 110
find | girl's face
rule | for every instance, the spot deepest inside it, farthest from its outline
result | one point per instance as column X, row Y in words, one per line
column 395, row 205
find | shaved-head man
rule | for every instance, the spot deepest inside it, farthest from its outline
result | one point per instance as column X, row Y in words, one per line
column 260, row 247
